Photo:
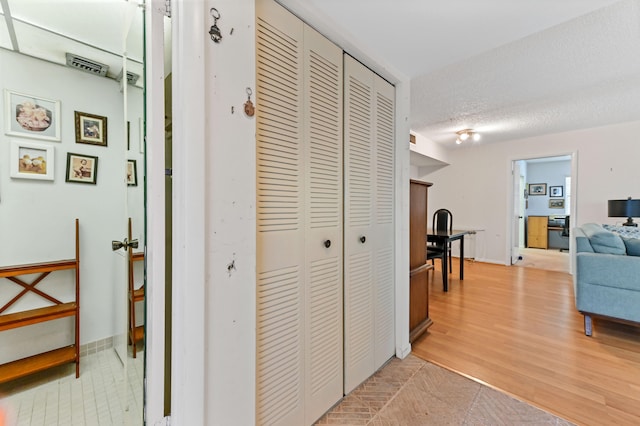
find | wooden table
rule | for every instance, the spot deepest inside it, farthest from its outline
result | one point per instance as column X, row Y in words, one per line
column 444, row 237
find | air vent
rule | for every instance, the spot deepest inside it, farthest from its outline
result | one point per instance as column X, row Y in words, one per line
column 131, row 77
column 86, row 65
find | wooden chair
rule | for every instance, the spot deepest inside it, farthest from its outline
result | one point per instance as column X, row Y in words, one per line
column 136, row 333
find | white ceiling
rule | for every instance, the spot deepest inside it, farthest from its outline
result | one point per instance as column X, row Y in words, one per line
column 99, row 30
column 509, row 69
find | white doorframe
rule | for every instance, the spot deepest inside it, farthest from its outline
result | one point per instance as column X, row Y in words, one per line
column 573, row 157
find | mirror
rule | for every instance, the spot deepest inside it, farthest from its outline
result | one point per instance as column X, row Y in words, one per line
column 72, row 148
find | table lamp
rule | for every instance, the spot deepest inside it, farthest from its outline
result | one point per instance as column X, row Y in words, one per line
column 628, row 208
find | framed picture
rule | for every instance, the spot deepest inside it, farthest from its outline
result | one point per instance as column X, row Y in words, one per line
column 31, row 116
column 82, row 168
column 555, row 191
column 132, row 173
column 31, row 161
column 91, row 129
column 556, row 204
column 537, row 189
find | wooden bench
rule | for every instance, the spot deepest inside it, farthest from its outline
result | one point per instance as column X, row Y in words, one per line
column 38, row 362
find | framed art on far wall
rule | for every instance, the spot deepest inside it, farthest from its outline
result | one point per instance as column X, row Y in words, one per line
column 556, row 204
column 31, row 116
column 81, row 168
column 91, row 129
column 537, row 189
column 31, row 161
column 555, row 191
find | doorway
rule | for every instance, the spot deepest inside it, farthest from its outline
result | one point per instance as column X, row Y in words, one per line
column 542, row 209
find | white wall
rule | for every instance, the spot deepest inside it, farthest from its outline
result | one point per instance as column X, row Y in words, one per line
column 37, row 217
column 477, row 184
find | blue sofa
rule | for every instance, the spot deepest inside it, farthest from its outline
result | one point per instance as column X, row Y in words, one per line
column 607, row 274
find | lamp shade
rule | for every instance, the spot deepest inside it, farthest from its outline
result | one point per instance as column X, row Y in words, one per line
column 624, row 208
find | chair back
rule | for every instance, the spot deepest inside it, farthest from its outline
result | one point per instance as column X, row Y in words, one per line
column 566, row 227
column 442, row 220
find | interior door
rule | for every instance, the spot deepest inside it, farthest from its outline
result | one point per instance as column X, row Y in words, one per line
column 517, row 212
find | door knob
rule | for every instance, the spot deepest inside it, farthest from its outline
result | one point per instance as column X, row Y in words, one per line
column 327, row 243
column 363, row 239
column 117, row 245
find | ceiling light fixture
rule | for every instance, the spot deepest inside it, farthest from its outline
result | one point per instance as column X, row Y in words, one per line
column 465, row 134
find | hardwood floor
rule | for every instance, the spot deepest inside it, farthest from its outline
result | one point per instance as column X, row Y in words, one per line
column 517, row 330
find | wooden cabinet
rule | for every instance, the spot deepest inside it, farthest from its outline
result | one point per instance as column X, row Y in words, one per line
column 537, row 236
column 419, row 319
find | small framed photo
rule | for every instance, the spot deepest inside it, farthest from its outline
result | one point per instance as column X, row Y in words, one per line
column 31, row 161
column 132, row 173
column 555, row 191
column 556, row 204
column 537, row 189
column 31, row 116
column 82, row 168
column 91, row 129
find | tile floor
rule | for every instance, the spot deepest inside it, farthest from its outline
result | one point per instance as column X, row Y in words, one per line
column 100, row 396
column 415, row 392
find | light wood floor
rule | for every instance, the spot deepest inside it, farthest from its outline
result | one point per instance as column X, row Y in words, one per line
column 517, row 330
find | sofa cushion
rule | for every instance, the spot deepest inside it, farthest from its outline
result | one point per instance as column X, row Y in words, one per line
column 632, row 245
column 603, row 241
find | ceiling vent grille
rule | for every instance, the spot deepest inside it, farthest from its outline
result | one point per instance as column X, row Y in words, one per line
column 132, row 78
column 86, row 65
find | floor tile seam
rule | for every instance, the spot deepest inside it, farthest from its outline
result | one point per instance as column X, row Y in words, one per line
column 400, row 389
column 472, row 405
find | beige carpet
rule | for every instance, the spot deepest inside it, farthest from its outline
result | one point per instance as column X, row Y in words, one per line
column 415, row 392
column 550, row 260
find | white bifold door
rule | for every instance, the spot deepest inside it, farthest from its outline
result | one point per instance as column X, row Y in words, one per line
column 368, row 222
column 299, row 220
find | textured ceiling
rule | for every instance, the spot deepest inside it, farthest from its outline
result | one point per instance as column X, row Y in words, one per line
column 509, row 69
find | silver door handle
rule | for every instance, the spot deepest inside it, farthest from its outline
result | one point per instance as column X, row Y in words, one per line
column 117, row 245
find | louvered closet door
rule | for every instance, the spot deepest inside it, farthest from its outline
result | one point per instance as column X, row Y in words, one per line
column 383, row 243
column 300, row 301
column 323, row 189
column 280, row 218
column 368, row 269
